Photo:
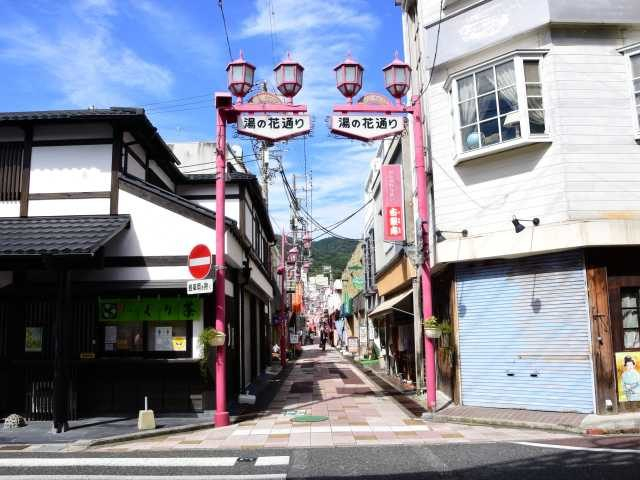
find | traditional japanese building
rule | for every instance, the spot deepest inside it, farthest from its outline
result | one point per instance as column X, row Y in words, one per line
column 96, row 222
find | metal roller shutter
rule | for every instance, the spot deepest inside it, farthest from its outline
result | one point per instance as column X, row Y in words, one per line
column 524, row 334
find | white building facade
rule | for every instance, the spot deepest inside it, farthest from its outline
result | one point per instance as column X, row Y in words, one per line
column 532, row 114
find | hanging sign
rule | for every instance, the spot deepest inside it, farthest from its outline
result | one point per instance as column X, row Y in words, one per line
column 392, row 203
column 195, row 287
column 367, row 127
column 149, row 309
column 273, row 126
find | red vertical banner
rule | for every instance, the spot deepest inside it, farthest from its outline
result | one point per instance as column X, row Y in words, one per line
column 392, row 203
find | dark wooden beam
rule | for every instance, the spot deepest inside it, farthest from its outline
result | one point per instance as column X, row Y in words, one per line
column 26, row 171
column 72, row 142
column 62, row 344
column 116, row 161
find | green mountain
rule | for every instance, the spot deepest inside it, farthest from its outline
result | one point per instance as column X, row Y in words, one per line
column 335, row 252
column 331, row 251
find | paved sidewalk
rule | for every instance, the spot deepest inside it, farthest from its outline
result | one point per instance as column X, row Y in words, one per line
column 359, row 412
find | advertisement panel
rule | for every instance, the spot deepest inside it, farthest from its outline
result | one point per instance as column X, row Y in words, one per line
column 392, row 203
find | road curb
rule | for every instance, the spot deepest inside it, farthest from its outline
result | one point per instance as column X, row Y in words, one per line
column 440, row 418
column 141, row 435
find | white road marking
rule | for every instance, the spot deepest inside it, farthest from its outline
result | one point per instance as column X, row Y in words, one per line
column 119, row 476
column 272, row 461
column 119, row 462
column 198, row 261
column 571, row 447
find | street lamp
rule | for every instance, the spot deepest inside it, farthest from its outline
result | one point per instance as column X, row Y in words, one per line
column 240, row 74
column 240, row 77
column 306, row 241
column 292, row 256
column 289, row 77
column 397, row 81
column 397, row 77
column 349, row 78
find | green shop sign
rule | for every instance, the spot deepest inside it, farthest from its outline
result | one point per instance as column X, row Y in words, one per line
column 149, row 309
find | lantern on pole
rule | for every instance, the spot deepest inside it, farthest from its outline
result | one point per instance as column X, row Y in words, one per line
column 289, row 77
column 240, row 77
column 306, row 241
column 349, row 78
column 397, row 78
column 292, row 256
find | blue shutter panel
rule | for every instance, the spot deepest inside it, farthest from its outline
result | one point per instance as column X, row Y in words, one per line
column 525, row 334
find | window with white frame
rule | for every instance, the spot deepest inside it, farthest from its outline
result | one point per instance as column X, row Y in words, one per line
column 499, row 103
column 635, row 74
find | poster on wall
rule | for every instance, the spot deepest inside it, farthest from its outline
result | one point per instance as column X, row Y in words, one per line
column 628, row 369
column 33, row 339
column 164, row 339
column 353, row 344
column 392, row 203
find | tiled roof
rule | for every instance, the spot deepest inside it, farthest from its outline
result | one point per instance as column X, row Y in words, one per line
column 70, row 114
column 64, row 235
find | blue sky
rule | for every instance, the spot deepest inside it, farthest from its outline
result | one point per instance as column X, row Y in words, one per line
column 169, row 56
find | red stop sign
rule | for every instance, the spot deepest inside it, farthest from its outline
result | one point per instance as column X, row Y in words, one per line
column 199, row 261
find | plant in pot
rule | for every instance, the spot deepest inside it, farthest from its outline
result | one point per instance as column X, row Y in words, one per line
column 446, row 330
column 209, row 339
column 432, row 328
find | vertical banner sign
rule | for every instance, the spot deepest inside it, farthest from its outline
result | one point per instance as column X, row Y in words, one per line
column 392, row 203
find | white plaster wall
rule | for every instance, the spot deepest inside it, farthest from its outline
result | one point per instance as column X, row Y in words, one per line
column 260, row 279
column 157, row 231
column 153, row 166
column 72, row 131
column 9, row 209
column 246, row 329
column 88, row 206
column 231, row 207
column 135, row 169
column 78, row 168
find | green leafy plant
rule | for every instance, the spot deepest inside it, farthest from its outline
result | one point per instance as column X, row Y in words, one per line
column 205, row 340
column 431, row 322
column 446, row 328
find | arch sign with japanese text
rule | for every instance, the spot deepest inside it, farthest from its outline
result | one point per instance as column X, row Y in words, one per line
column 273, row 126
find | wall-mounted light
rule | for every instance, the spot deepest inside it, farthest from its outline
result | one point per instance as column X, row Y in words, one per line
column 441, row 238
column 519, row 227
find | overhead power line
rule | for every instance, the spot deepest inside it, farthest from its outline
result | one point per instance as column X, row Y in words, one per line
column 226, row 31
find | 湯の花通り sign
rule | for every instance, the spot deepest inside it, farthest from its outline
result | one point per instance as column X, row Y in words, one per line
column 392, row 203
column 273, row 126
column 367, row 127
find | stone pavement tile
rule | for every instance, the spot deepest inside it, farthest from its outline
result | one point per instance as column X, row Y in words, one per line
column 365, row 436
column 321, row 439
column 343, row 439
column 452, row 435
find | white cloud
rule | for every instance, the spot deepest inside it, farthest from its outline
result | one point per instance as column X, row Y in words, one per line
column 88, row 64
column 319, row 34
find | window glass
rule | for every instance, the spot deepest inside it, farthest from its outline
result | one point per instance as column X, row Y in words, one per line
column 635, row 68
column 166, row 336
column 485, row 100
column 237, row 72
column 123, row 337
column 630, row 313
column 485, row 81
column 534, row 96
column 465, row 88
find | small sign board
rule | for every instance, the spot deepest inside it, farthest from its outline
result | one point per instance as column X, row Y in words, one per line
column 367, row 127
column 273, row 126
column 199, row 261
column 195, row 287
column 293, row 339
column 392, row 203
column 353, row 344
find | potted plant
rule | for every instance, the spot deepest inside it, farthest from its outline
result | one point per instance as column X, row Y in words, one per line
column 209, row 339
column 446, row 330
column 432, row 328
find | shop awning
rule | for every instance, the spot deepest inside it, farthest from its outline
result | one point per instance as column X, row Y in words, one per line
column 23, row 238
column 397, row 302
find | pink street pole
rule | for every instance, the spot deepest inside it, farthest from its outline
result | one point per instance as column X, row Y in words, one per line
column 425, row 270
column 283, row 325
column 222, row 415
column 415, row 110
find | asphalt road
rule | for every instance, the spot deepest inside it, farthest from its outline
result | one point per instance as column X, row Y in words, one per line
column 585, row 459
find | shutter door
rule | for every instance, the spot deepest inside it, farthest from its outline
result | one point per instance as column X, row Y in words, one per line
column 525, row 334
